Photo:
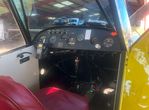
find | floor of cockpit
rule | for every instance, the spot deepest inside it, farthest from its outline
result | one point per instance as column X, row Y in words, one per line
column 96, row 79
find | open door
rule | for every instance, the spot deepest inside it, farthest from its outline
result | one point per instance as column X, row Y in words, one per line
column 136, row 79
column 17, row 59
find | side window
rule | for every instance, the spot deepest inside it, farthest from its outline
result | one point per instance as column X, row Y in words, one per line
column 28, row 7
column 20, row 10
column 10, row 35
column 140, row 21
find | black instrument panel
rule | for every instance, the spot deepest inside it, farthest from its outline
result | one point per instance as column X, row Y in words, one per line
column 82, row 39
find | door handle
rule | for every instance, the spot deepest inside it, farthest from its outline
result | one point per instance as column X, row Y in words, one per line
column 21, row 55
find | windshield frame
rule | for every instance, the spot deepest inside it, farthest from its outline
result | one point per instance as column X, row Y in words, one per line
column 25, row 32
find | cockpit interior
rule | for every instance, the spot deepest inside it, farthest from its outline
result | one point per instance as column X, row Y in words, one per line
column 81, row 56
column 79, row 48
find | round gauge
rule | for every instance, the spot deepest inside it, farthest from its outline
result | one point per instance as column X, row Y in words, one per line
column 97, row 46
column 71, row 41
column 108, row 42
column 80, row 37
column 52, row 39
column 93, row 40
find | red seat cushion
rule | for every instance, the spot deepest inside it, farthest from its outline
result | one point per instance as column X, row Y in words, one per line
column 14, row 96
column 57, row 99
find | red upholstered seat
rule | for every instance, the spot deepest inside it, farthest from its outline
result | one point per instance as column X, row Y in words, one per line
column 59, row 99
column 14, row 96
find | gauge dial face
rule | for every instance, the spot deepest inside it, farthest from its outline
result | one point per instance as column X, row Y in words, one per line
column 97, row 46
column 108, row 42
column 52, row 39
column 93, row 40
column 80, row 37
column 72, row 41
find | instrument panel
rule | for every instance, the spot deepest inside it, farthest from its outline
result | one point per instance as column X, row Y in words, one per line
column 81, row 39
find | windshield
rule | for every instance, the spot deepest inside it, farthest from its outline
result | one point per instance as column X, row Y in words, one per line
column 47, row 13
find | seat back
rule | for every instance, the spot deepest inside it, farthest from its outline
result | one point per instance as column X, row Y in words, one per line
column 14, row 96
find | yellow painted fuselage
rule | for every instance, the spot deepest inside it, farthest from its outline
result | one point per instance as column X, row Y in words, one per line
column 135, row 92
